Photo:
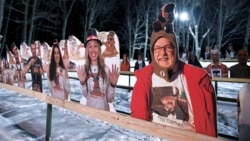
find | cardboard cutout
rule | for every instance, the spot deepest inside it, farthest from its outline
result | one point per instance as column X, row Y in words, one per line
column 76, row 50
column 114, row 56
column 45, row 52
column 111, row 56
column 25, row 51
column 38, row 48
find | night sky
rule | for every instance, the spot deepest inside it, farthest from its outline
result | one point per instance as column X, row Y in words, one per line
column 74, row 27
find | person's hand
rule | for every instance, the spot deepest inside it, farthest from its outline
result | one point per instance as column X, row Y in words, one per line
column 66, row 63
column 46, row 67
column 189, row 127
column 32, row 60
column 81, row 74
column 66, row 43
column 66, row 53
column 113, row 75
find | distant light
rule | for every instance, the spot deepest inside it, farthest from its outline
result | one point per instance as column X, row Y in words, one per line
column 184, row 16
column 176, row 15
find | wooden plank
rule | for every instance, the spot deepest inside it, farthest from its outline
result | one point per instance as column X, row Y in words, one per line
column 126, row 73
column 125, row 87
column 149, row 128
column 233, row 80
column 225, row 99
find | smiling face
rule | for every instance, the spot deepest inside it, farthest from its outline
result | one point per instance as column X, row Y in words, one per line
column 72, row 43
column 163, row 53
column 215, row 56
column 165, row 15
column 110, row 39
column 45, row 48
column 56, row 55
column 242, row 56
column 139, row 57
column 93, row 48
column 33, row 49
column 169, row 102
column 124, row 57
column 16, row 55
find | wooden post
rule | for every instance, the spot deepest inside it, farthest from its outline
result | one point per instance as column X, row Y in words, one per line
column 129, row 81
column 48, row 122
column 216, row 87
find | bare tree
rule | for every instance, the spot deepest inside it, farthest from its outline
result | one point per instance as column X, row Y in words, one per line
column 109, row 17
column 132, row 21
column 148, row 18
column 247, row 35
column 92, row 9
column 230, row 16
column 231, row 21
column 136, row 25
column 33, row 13
column 7, row 22
column 209, row 21
column 66, row 7
column 25, row 21
column 31, row 22
column 1, row 13
column 178, row 25
column 127, row 31
column 47, row 18
column 197, row 12
column 1, row 23
column 25, row 13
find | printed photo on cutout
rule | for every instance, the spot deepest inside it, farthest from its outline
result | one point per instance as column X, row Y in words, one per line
column 216, row 72
column 167, row 104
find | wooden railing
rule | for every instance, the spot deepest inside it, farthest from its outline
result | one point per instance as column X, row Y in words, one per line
column 119, row 119
column 216, row 80
column 128, row 86
column 231, row 80
column 127, row 122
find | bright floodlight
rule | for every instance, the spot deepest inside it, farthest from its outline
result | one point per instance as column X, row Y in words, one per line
column 184, row 16
column 176, row 15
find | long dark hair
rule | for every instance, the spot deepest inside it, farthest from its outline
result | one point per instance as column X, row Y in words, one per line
column 52, row 66
column 194, row 62
column 125, row 61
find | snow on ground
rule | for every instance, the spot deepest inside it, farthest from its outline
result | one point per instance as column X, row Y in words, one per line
column 23, row 118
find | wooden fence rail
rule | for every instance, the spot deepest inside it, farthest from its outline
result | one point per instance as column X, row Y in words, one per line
column 216, row 80
column 149, row 128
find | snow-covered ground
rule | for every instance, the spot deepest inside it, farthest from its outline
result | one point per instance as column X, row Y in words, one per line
column 23, row 118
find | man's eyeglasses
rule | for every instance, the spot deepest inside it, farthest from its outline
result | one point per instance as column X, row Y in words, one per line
column 165, row 48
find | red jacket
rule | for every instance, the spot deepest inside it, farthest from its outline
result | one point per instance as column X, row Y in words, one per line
column 201, row 93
